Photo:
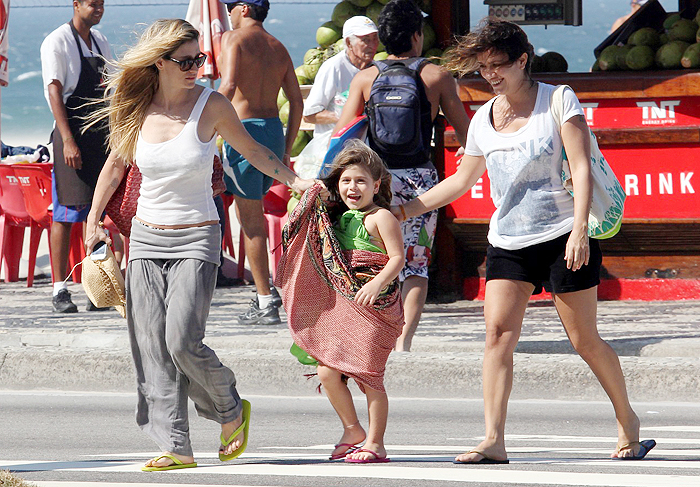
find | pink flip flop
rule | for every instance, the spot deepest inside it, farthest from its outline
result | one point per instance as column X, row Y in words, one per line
column 351, row 448
column 376, row 458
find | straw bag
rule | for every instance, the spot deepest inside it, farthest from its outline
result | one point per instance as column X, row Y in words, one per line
column 103, row 282
column 121, row 207
column 608, row 202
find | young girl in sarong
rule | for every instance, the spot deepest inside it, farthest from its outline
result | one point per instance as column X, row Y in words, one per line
column 352, row 316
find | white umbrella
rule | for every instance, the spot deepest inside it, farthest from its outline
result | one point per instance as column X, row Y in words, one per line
column 211, row 19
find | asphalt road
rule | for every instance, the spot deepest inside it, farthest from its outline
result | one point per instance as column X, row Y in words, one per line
column 62, row 439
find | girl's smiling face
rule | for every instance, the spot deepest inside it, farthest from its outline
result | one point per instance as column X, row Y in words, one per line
column 357, row 188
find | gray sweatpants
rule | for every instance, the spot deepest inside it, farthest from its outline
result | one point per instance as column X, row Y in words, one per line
column 167, row 306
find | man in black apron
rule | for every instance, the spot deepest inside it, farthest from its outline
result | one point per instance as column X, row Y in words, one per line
column 78, row 156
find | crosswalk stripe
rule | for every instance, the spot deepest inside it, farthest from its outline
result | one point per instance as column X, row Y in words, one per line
column 117, row 484
column 409, row 472
column 461, row 474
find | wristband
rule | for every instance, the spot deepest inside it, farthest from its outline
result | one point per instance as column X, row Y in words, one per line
column 403, row 212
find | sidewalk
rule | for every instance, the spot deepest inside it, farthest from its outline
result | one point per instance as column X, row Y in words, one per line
column 658, row 344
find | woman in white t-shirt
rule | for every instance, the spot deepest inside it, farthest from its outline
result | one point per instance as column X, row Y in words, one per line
column 538, row 233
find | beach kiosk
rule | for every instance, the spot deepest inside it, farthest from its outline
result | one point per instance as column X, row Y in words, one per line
column 648, row 128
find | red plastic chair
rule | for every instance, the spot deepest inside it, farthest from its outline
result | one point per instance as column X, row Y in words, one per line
column 227, row 244
column 35, row 185
column 275, row 209
column 13, row 222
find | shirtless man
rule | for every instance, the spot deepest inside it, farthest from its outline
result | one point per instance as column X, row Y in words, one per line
column 400, row 30
column 254, row 66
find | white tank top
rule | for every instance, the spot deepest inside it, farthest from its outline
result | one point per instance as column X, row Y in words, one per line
column 176, row 185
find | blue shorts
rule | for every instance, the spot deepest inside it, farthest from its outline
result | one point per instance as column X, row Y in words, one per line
column 245, row 181
column 66, row 214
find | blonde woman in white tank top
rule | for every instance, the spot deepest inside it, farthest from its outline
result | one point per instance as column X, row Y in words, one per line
column 161, row 119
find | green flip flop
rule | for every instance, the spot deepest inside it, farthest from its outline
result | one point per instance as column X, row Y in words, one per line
column 245, row 426
column 177, row 464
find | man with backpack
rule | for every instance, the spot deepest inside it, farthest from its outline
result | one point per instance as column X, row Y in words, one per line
column 402, row 97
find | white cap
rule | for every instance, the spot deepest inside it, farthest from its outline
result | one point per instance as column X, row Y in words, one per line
column 358, row 26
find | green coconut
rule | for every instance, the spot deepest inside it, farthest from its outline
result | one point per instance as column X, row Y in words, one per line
column 300, row 142
column 691, row 56
column 646, row 36
column 621, row 57
column 327, row 34
column 640, row 57
column 608, row 58
column 381, row 56
column 596, row 66
column 312, row 71
column 555, row 62
column 361, row 3
column 303, row 74
column 373, row 11
column 284, row 114
column 434, row 55
column 343, row 11
column 669, row 55
column 339, row 46
column 429, row 37
column 671, row 19
column 683, row 30
column 281, row 99
column 312, row 55
column 538, row 65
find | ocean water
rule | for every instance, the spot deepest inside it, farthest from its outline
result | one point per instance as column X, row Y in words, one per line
column 26, row 119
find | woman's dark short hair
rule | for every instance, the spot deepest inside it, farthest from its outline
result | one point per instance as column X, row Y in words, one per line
column 397, row 23
column 490, row 35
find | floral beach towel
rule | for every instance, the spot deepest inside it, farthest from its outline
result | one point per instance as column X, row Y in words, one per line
column 319, row 281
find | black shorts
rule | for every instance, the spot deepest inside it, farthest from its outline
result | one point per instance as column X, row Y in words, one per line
column 544, row 264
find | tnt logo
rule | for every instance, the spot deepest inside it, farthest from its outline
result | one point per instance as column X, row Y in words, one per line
column 661, row 114
column 588, row 111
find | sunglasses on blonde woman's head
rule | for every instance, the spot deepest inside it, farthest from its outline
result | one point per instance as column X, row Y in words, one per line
column 186, row 64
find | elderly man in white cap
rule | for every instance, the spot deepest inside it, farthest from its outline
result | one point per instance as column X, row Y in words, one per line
column 330, row 89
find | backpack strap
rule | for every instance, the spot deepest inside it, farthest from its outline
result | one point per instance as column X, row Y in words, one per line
column 418, row 64
column 381, row 66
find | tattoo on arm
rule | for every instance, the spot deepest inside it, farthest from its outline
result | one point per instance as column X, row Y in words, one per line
column 114, row 183
column 277, row 171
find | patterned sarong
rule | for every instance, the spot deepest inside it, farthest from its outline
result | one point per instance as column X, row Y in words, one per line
column 319, row 281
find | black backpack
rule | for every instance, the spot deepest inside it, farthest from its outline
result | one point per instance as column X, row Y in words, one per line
column 400, row 123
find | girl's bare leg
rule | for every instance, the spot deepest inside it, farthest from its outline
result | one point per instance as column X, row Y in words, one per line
column 341, row 400
column 378, row 409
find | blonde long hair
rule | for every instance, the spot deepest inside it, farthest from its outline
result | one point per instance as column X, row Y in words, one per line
column 133, row 83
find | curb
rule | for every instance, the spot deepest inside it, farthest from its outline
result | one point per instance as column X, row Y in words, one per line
column 418, row 374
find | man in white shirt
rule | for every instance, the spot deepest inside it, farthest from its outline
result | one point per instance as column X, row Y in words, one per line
column 330, row 89
column 72, row 66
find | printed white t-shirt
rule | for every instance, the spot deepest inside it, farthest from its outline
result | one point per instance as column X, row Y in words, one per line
column 330, row 89
column 60, row 59
column 524, row 167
